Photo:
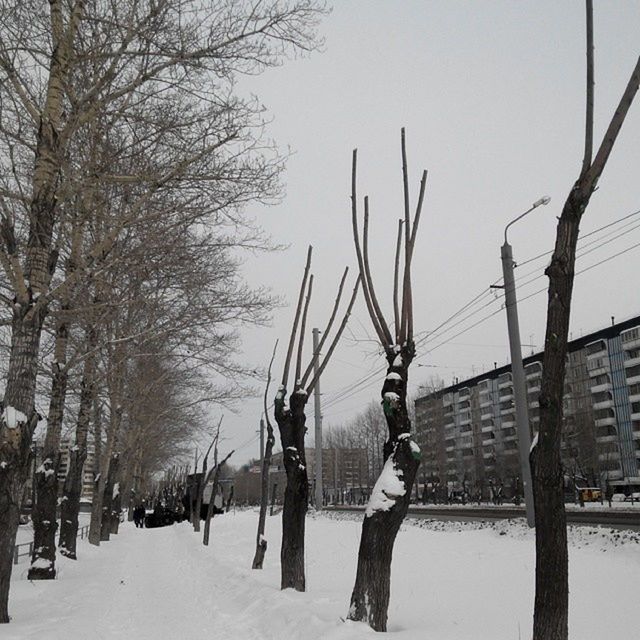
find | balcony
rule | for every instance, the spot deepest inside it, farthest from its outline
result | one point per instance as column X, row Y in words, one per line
column 489, row 428
column 635, row 397
column 506, row 397
column 635, row 416
column 465, row 421
column 486, row 416
column 605, row 386
column 535, row 389
column 505, row 384
column 507, row 412
column 603, row 422
column 488, row 441
column 486, row 403
column 507, row 423
column 631, row 362
column 633, row 380
column 605, row 404
column 604, row 439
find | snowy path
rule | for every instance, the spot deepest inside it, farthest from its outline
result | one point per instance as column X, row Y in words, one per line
column 454, row 584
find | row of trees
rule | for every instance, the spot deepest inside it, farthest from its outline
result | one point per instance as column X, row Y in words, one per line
column 127, row 159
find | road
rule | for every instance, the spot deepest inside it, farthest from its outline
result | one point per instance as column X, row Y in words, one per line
column 616, row 518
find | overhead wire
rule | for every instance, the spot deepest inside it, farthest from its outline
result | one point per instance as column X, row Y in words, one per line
column 442, row 329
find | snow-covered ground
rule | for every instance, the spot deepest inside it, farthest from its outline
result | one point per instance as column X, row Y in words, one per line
column 450, row 581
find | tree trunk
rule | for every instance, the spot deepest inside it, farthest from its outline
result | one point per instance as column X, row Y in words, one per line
column 261, row 542
column 44, row 518
column 15, row 440
column 389, row 500
column 214, row 491
column 72, row 492
column 107, row 499
column 116, row 508
column 199, row 484
column 291, row 423
column 70, row 504
column 99, row 481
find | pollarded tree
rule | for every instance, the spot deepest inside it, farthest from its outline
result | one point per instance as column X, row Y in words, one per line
column 551, row 610
column 291, row 424
column 390, row 497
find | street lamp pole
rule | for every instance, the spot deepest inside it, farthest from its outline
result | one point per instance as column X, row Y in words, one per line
column 517, row 367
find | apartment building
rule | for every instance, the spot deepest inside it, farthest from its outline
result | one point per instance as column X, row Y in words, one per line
column 467, row 431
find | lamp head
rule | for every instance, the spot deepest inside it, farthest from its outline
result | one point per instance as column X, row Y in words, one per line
column 543, row 200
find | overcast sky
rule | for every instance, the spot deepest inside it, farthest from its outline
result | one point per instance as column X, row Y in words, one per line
column 492, row 97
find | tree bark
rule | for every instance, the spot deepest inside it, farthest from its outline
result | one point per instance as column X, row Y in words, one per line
column 44, row 517
column 102, row 467
column 388, row 504
column 116, row 507
column 107, row 499
column 291, row 424
column 261, row 542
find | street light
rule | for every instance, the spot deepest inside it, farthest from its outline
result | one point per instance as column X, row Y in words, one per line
column 517, row 368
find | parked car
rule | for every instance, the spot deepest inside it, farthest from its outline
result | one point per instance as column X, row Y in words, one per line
column 634, row 497
column 618, row 497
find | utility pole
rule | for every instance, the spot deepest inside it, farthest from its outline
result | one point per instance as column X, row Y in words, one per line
column 261, row 441
column 318, row 423
column 517, row 367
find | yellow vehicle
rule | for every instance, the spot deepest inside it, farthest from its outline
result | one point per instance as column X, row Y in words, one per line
column 590, row 494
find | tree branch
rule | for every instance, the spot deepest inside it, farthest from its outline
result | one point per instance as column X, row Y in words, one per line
column 325, row 333
column 303, row 326
column 292, row 337
column 343, row 324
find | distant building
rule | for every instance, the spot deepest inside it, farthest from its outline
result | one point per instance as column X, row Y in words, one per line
column 467, row 432
column 344, row 476
column 65, row 445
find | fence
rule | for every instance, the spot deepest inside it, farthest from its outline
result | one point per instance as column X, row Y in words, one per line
column 26, row 548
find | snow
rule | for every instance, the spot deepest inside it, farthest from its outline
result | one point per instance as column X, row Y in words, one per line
column 12, row 417
column 397, row 361
column 116, row 490
column 41, row 563
column 450, row 581
column 534, row 443
column 388, row 487
column 391, row 396
column 414, row 447
column 47, row 471
column 394, row 376
column 3, row 465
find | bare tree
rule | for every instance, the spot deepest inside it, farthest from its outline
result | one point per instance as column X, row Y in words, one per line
column 215, row 472
column 391, row 494
column 112, row 67
column 201, row 485
column 551, row 611
column 261, row 541
column 291, row 424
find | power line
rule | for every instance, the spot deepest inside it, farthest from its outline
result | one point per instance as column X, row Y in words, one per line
column 368, row 380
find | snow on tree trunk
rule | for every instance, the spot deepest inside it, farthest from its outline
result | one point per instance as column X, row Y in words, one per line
column 43, row 558
column 15, row 440
column 389, row 500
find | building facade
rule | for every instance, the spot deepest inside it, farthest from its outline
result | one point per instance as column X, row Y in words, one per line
column 467, row 431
